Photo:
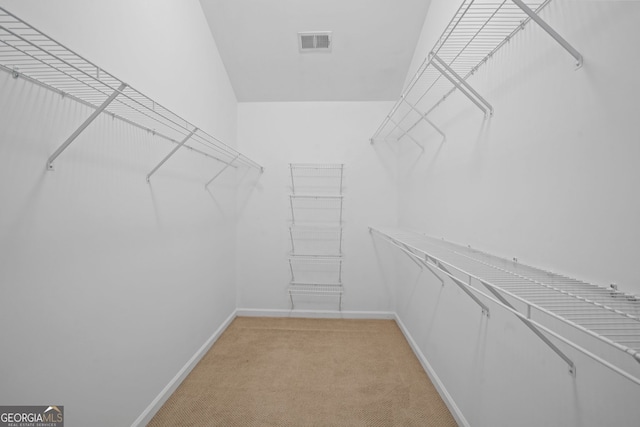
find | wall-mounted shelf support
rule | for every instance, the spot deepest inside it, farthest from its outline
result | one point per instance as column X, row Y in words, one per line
column 423, row 116
column 84, row 125
column 221, row 171
column 437, row 264
column 475, row 33
column 405, row 133
column 384, row 122
column 549, row 30
column 462, row 286
column 32, row 56
column 609, row 318
column 534, row 329
column 442, row 282
column 176, row 148
column 462, row 85
column 417, row 260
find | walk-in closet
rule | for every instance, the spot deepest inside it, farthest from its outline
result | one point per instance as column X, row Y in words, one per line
column 349, row 212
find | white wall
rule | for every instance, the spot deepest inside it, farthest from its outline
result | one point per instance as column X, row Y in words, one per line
column 320, row 132
column 551, row 179
column 108, row 285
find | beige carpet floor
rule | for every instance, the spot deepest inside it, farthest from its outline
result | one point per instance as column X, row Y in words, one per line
column 307, row 372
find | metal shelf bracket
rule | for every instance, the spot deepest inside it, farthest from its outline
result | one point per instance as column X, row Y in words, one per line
column 176, row 148
column 221, row 170
column 462, row 85
column 475, row 33
column 423, row 116
column 28, row 54
column 406, row 133
column 598, row 316
column 425, row 262
column 534, row 329
column 84, row 125
column 549, row 30
column 463, row 287
column 422, row 263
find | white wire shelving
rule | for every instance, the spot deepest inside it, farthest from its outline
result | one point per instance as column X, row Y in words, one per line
column 478, row 29
column 317, row 209
column 316, row 178
column 26, row 53
column 316, row 270
column 549, row 304
column 316, row 241
column 316, row 231
column 316, row 276
column 306, row 290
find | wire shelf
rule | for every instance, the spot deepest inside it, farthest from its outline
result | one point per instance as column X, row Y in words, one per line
column 316, row 241
column 317, row 168
column 316, row 178
column 29, row 54
column 540, row 298
column 316, row 232
column 316, row 209
column 317, row 270
column 476, row 32
column 315, row 291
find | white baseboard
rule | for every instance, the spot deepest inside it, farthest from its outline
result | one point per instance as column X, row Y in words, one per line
column 252, row 312
column 162, row 397
column 166, row 392
column 446, row 397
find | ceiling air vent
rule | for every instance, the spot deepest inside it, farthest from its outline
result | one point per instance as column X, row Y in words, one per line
column 315, row 41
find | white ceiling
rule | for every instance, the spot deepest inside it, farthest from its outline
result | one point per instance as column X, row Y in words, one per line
column 373, row 43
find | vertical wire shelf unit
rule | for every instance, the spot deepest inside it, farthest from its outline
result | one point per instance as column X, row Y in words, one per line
column 476, row 32
column 315, row 233
column 27, row 53
column 601, row 323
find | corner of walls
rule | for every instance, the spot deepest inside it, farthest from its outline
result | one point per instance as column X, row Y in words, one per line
column 155, row 405
column 433, row 375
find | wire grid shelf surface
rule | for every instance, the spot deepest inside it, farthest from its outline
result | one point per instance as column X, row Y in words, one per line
column 316, row 241
column 28, row 53
column 315, row 277
column 316, row 270
column 477, row 30
column 307, row 292
column 316, row 178
column 315, row 289
column 604, row 313
column 318, row 210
